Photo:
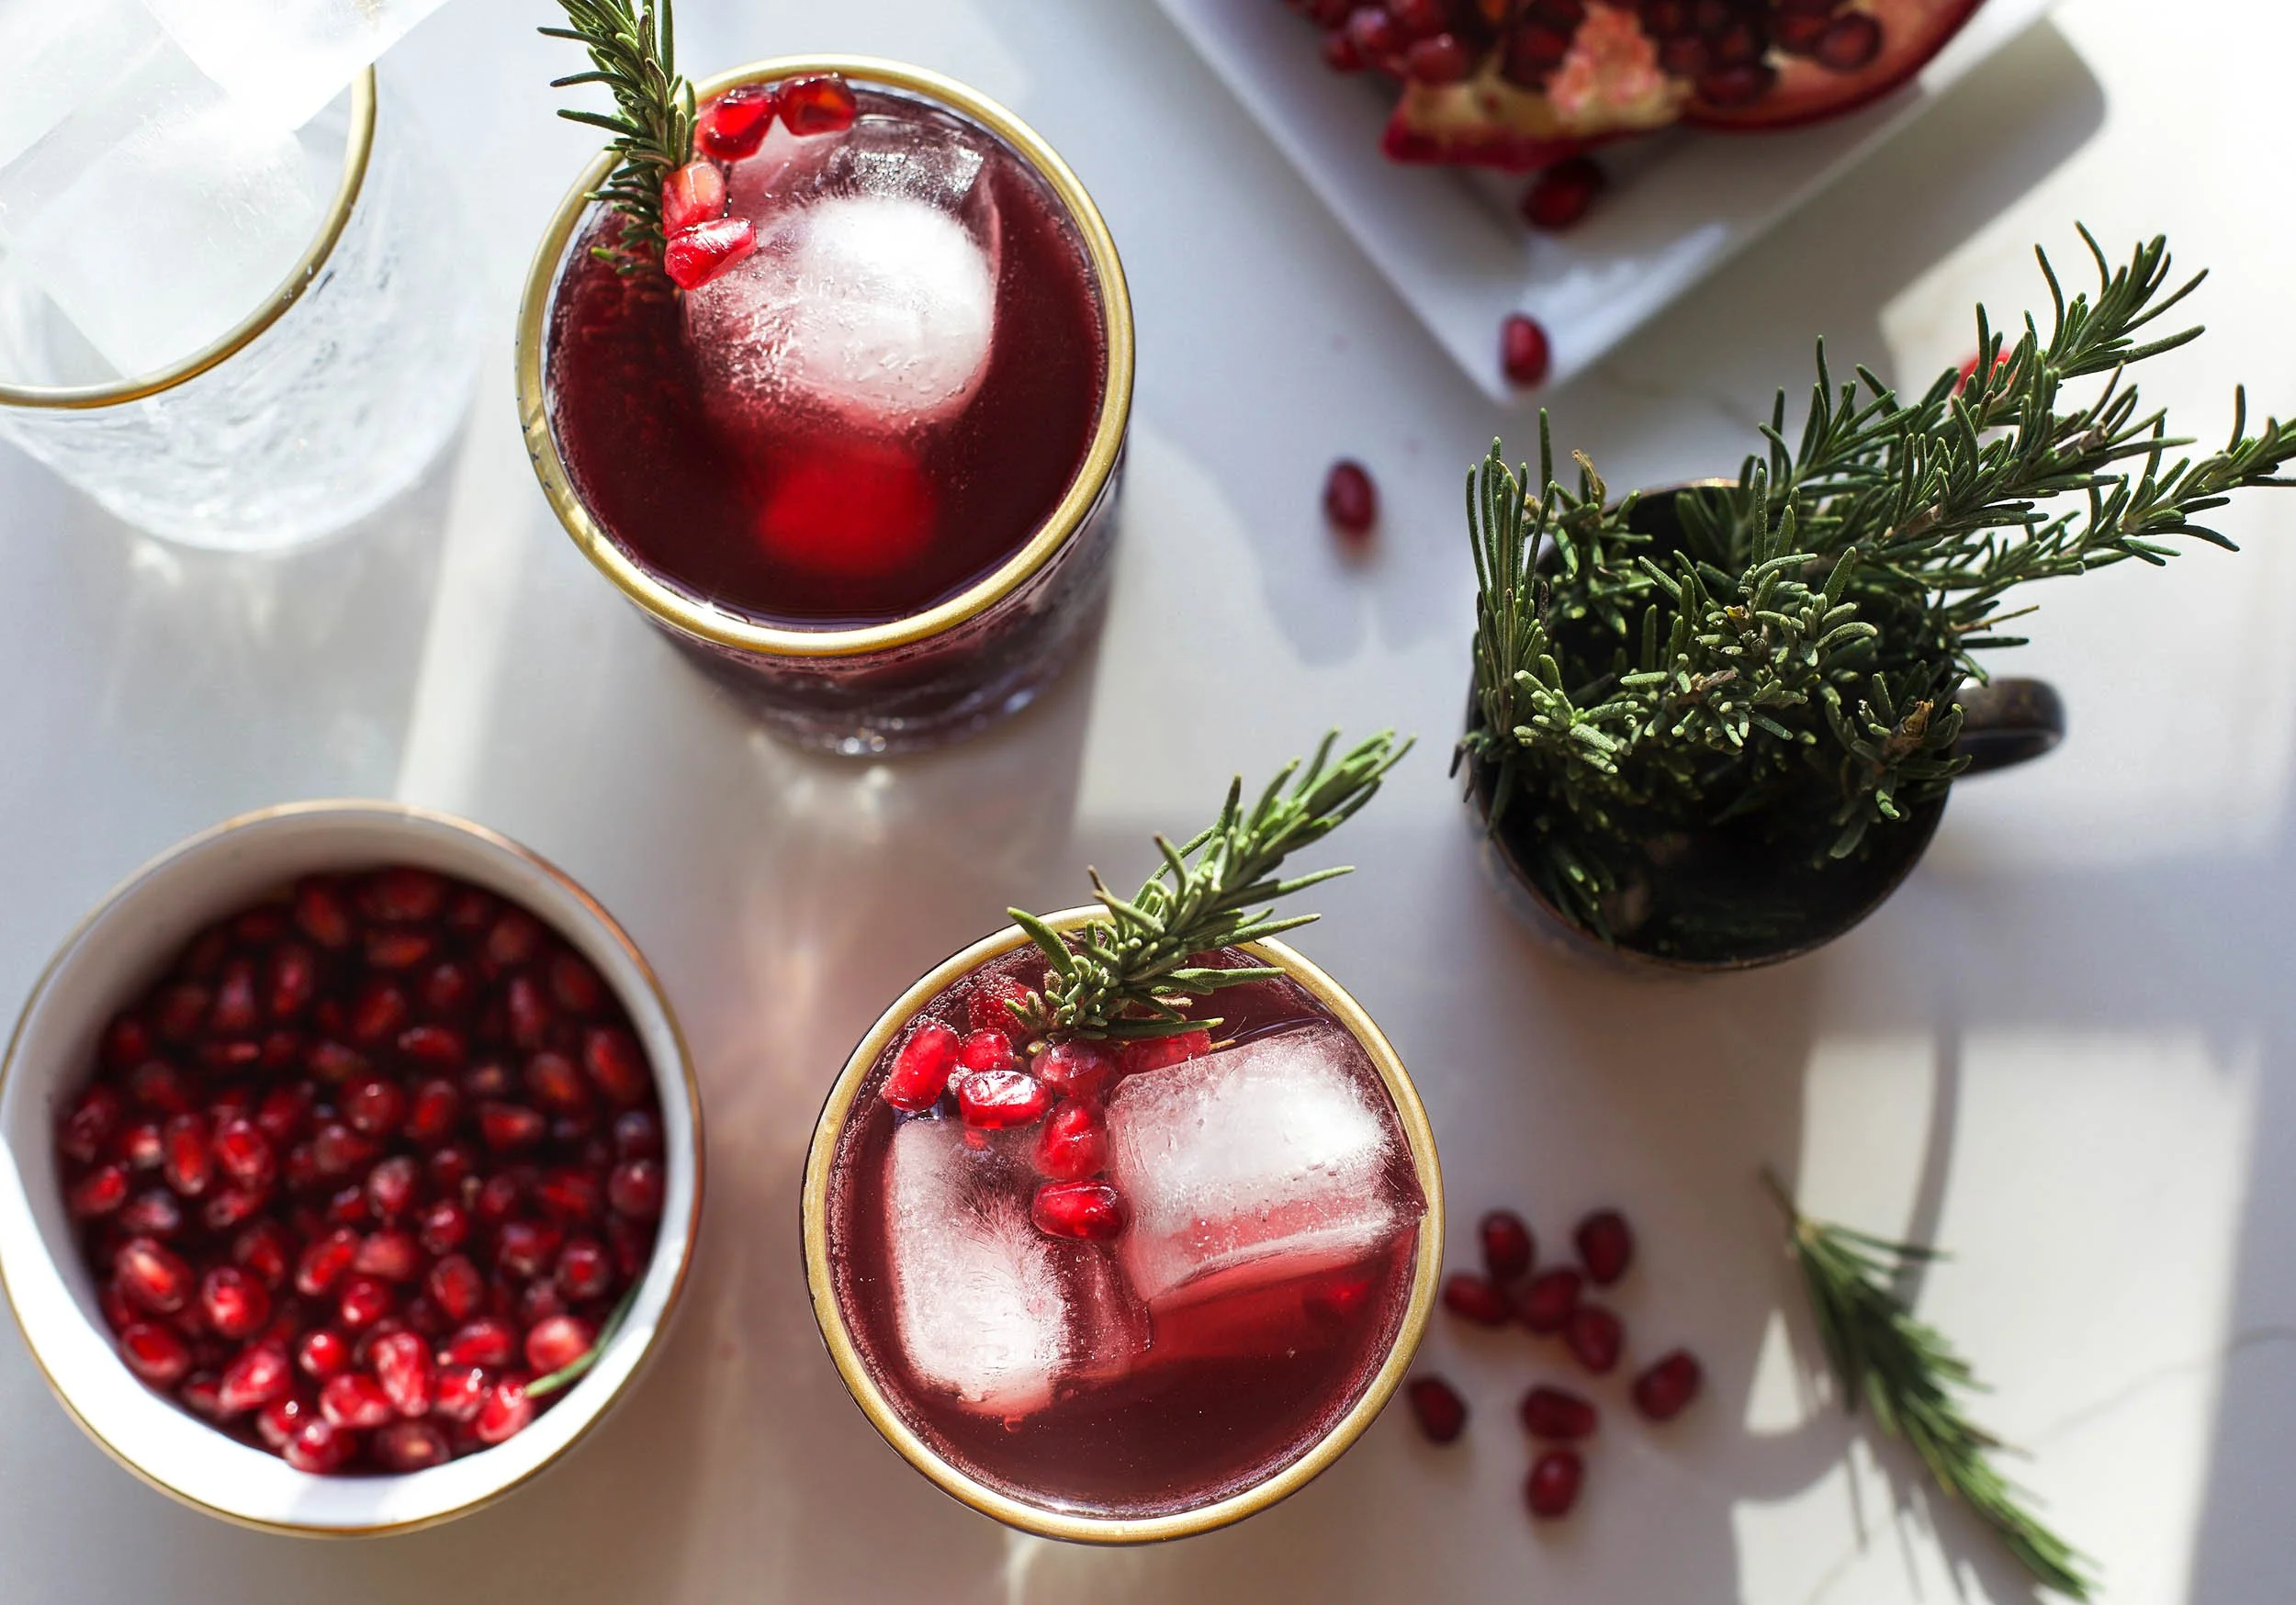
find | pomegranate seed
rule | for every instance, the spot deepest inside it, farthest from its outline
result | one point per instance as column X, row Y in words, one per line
column 337, row 1151
column 323, row 914
column 324, row 1261
column 379, row 1012
column 94, row 1116
column 461, row 1389
column 140, row 1147
column 1438, row 59
column 1088, row 1210
column 447, row 989
column 100, row 1192
column 334, row 1063
column 153, row 1277
column 160, row 1086
column 631, row 1243
column 362, row 1302
column 505, row 1412
column 989, row 1005
column 323, row 1352
column 277, row 1423
column 263, row 1250
column 1074, row 1144
column 402, row 894
column 920, row 1070
column 1076, row 1069
column 511, row 1128
column 180, row 1011
column 154, row 1212
column 236, row 1304
column 1595, row 1336
column 557, row 1342
column 1664, row 1390
column 126, row 1043
column 637, row 1135
column 1550, row 1412
column 634, row 1189
column 438, row 1048
column 1523, row 353
column 1474, row 1298
column 376, row 1107
column 320, row 1446
column 391, row 1186
column 694, row 194
column 119, row 1312
column 154, row 1352
column 735, row 125
column 1351, row 501
column 189, row 1163
column 244, row 1152
column 699, row 254
column 569, row 1195
column 498, row 1197
column 392, row 1256
column 292, row 980
column 401, row 1364
column 444, row 1227
column 1606, row 1246
column 1373, row 33
column 574, row 984
column 1850, row 44
column 199, row 1395
column 1418, row 19
column 348, row 1208
column 260, row 1374
column 404, row 1446
column 1546, row 1303
column 1507, row 1246
column 556, row 1084
column 232, row 1206
column 451, row 1166
column 526, row 1248
column 1340, row 53
column 984, row 1050
column 818, row 106
column 355, row 1401
column 456, row 1287
column 1148, row 1053
column 1441, row 1412
column 1563, row 194
column 1553, row 1487
column 433, row 1112
column 584, row 1270
column 235, row 1012
column 616, row 1065
column 997, row 1100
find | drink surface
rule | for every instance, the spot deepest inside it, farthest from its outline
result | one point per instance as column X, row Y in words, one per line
column 870, row 413
column 1271, row 1215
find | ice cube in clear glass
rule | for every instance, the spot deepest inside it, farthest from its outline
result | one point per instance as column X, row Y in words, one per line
column 1255, row 1166
column 282, row 60
column 53, row 56
column 987, row 1308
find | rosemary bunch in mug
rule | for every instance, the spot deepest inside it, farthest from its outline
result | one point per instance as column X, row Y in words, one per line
column 1786, row 662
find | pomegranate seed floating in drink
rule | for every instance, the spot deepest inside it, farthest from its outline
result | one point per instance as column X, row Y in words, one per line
column 304, row 1268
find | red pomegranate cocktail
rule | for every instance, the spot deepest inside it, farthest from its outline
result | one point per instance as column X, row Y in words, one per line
column 851, row 436
column 1117, row 1291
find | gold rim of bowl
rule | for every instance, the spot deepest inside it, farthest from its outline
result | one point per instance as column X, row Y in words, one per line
column 690, row 1227
column 705, row 621
column 1074, row 1525
column 358, row 149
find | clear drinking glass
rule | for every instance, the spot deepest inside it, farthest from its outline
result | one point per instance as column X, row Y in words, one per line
column 317, row 407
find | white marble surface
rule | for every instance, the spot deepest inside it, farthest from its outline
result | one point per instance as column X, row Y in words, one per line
column 2067, row 1050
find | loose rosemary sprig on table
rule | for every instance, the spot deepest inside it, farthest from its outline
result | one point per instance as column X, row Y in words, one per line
column 1910, row 1375
column 633, row 51
column 1128, row 976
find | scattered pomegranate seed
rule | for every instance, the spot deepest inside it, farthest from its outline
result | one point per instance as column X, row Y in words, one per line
column 236, row 1305
column 405, row 1446
column 154, row 1352
column 1849, row 43
column 1523, row 352
column 1074, row 1144
column 996, row 1100
column 1474, row 1298
column 818, row 106
column 1665, row 1390
column 736, row 124
column 700, row 253
column 585, row 1270
column 1076, row 1069
column 634, row 1188
column 1562, row 194
column 1595, row 1335
column 1606, row 1246
column 616, row 1066
column 1507, row 1246
column 1350, row 499
column 153, row 1277
column 100, row 1192
column 485, row 1341
column 1441, row 1412
column 277, row 1423
column 557, row 1342
column 401, row 1361
column 1553, row 1486
column 94, row 1116
column 258, row 1376
column 988, row 1006
column 505, row 1411
column 318, row 1445
column 920, row 1070
column 1546, row 1303
column 460, row 1390
column 323, row 1352
column 355, row 1401
column 1552, row 1412
column 984, row 1050
column 1437, row 60
column 1089, row 1210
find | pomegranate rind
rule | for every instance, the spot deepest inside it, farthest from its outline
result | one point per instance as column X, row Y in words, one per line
column 1913, row 31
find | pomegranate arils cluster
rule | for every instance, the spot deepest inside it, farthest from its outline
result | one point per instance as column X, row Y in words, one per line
column 1551, row 1302
column 699, row 242
column 367, row 1159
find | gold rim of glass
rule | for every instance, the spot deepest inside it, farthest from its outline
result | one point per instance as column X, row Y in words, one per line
column 1072, row 1525
column 705, row 621
column 358, row 148
column 690, row 1227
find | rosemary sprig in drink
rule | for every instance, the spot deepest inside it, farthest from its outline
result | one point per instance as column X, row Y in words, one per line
column 633, row 51
column 1129, row 975
column 1910, row 1375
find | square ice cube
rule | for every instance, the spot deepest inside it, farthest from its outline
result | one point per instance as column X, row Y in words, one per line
column 1257, row 1165
column 986, row 1307
column 282, row 59
column 53, row 56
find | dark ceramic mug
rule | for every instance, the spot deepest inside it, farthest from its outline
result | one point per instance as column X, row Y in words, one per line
column 1781, row 905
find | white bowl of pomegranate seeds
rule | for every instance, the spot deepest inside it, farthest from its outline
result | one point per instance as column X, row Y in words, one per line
column 326, row 1136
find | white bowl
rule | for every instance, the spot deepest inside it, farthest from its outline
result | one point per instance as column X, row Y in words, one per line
column 115, row 954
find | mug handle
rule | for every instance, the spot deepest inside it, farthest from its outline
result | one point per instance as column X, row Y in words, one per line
column 2008, row 722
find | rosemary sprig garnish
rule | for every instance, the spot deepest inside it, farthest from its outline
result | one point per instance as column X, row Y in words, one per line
column 1128, row 976
column 1910, row 1375
column 633, row 51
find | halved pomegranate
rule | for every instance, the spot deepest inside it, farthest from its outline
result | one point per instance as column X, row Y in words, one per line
column 1829, row 59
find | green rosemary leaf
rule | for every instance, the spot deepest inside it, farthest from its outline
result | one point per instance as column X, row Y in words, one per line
column 1907, row 1375
column 633, row 52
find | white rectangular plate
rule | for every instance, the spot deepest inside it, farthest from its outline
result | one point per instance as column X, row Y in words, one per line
column 1682, row 203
